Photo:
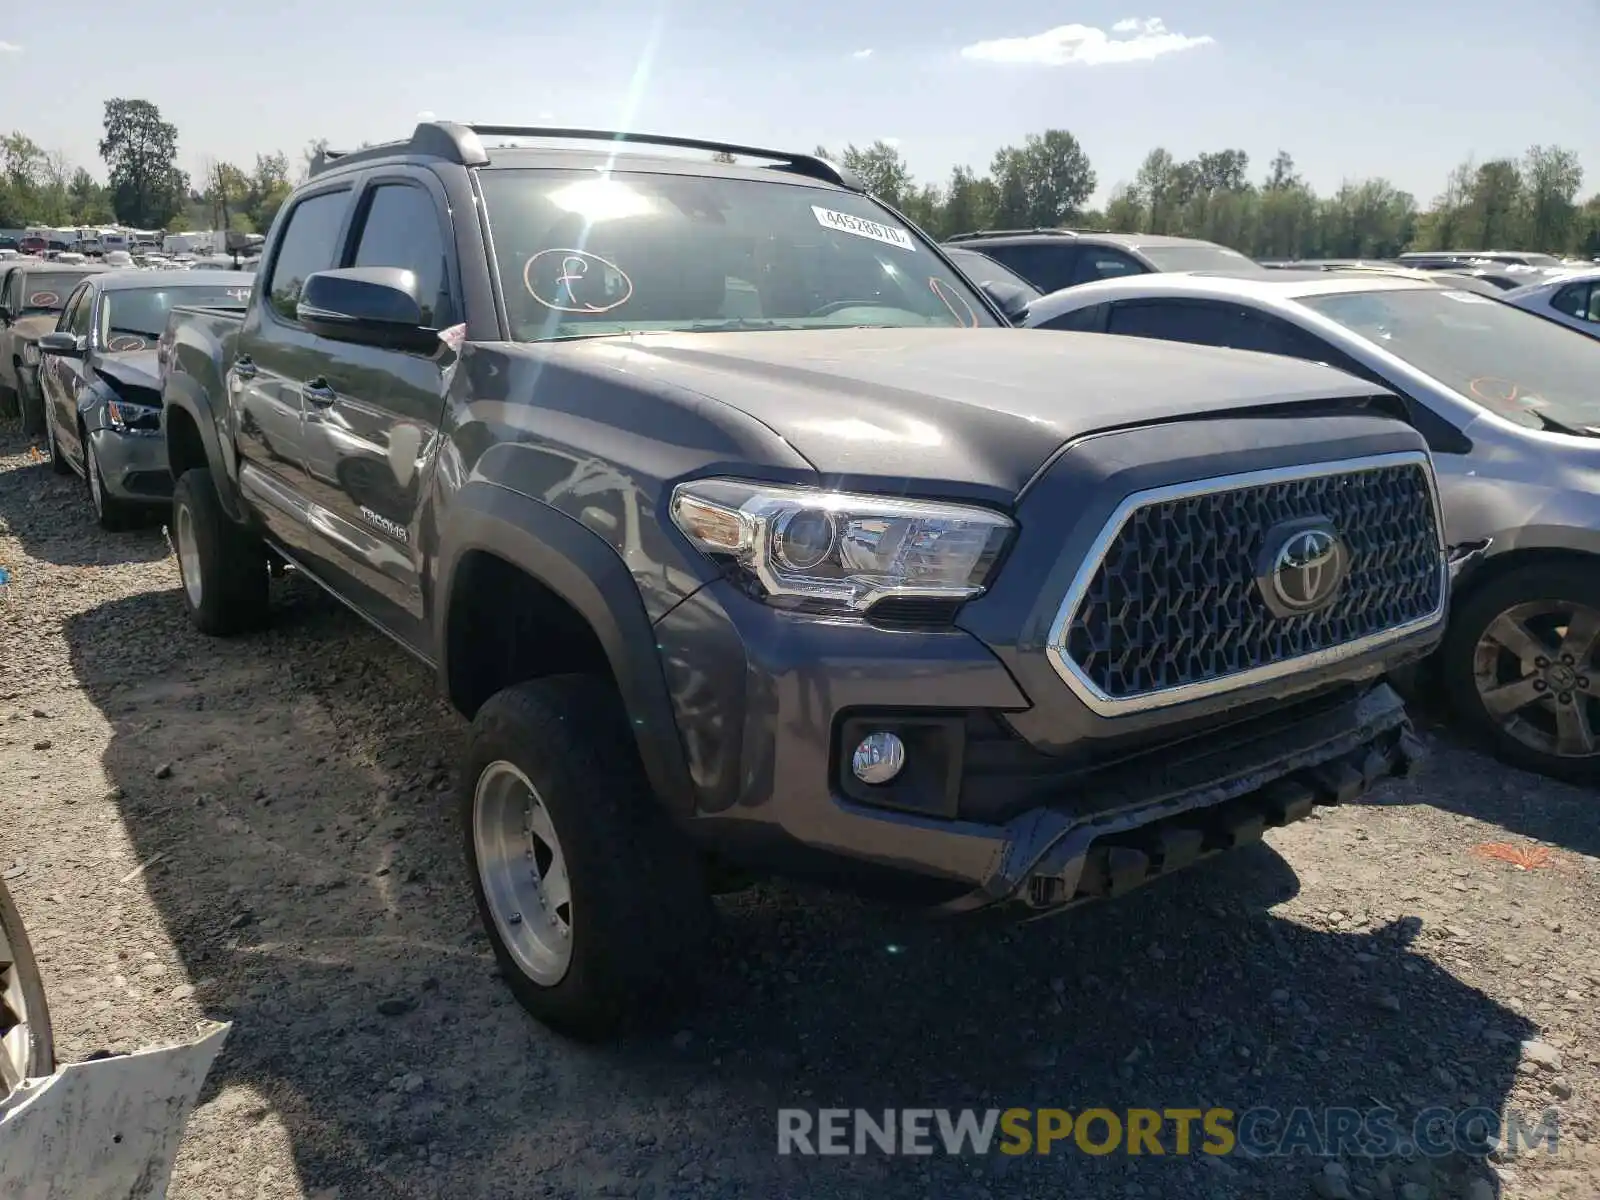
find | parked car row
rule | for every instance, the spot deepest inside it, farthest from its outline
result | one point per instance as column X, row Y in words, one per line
column 750, row 533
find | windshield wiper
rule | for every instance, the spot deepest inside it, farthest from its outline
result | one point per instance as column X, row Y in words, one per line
column 727, row 326
column 1551, row 425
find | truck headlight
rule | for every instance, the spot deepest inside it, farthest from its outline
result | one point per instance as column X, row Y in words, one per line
column 814, row 549
column 30, row 354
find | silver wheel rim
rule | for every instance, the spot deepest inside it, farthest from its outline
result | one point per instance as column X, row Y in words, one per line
column 92, row 466
column 523, row 872
column 1536, row 676
column 189, row 557
column 16, row 1032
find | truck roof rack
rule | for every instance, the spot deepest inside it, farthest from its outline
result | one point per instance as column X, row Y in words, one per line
column 463, row 144
column 973, row 234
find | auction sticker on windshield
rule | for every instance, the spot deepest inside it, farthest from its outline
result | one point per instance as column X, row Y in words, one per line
column 861, row 227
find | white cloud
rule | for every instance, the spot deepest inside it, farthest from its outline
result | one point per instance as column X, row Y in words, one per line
column 10, row 48
column 867, row 53
column 1142, row 40
column 891, row 142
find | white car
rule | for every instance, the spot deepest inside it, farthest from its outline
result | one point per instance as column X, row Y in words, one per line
column 1573, row 300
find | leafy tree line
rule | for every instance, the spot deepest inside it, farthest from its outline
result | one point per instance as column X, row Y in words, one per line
column 1531, row 203
column 144, row 188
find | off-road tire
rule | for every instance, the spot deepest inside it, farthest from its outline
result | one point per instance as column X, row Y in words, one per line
column 232, row 561
column 23, row 972
column 1570, row 581
column 642, row 913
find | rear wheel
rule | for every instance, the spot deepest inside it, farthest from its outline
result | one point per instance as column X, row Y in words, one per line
column 26, row 1049
column 223, row 566
column 595, row 903
column 1519, row 666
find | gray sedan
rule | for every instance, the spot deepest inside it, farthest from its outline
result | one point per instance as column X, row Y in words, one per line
column 1510, row 405
column 102, row 390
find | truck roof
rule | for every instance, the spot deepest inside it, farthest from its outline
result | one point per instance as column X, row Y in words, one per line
column 483, row 145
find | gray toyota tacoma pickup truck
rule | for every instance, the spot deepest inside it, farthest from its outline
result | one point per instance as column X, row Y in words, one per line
column 750, row 539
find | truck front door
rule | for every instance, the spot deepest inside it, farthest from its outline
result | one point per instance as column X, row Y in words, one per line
column 371, row 415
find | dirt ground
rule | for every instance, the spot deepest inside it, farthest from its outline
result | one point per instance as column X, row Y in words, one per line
column 260, row 831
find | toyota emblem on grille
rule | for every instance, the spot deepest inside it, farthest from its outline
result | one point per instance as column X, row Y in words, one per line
column 1302, row 566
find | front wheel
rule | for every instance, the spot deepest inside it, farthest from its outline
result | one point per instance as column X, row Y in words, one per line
column 31, row 405
column 594, row 902
column 223, row 565
column 26, row 1048
column 1519, row 668
column 58, row 460
column 113, row 514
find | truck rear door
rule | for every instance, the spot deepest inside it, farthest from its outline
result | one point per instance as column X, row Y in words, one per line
column 275, row 357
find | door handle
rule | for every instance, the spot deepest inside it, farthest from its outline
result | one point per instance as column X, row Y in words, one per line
column 244, row 368
column 319, row 393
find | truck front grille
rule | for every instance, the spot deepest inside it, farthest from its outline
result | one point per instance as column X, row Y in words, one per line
column 1169, row 604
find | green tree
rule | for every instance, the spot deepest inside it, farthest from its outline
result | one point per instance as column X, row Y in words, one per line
column 1126, row 212
column 1045, row 181
column 1552, row 176
column 882, row 169
column 1494, row 206
column 1160, row 190
column 90, row 203
column 1286, row 213
column 141, row 151
column 969, row 203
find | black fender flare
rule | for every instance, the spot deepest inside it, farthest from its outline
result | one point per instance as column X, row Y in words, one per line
column 586, row 572
column 180, row 393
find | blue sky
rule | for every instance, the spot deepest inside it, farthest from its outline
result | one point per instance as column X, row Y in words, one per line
column 1350, row 89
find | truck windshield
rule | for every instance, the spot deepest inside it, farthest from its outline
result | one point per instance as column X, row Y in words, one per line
column 134, row 319
column 1519, row 365
column 586, row 255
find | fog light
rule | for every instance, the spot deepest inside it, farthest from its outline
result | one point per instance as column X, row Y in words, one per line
column 878, row 758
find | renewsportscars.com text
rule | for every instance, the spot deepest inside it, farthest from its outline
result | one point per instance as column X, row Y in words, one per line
column 1255, row 1132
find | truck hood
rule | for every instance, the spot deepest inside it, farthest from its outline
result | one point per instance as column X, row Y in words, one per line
column 983, row 406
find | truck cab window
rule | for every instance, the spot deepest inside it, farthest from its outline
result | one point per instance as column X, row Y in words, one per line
column 401, row 229
column 309, row 244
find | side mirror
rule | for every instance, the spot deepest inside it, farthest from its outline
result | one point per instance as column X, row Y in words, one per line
column 369, row 306
column 1011, row 300
column 67, row 345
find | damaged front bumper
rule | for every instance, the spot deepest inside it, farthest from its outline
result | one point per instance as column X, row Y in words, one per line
column 1053, row 858
column 106, row 1129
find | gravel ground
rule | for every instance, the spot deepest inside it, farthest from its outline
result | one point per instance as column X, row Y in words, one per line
column 286, row 797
